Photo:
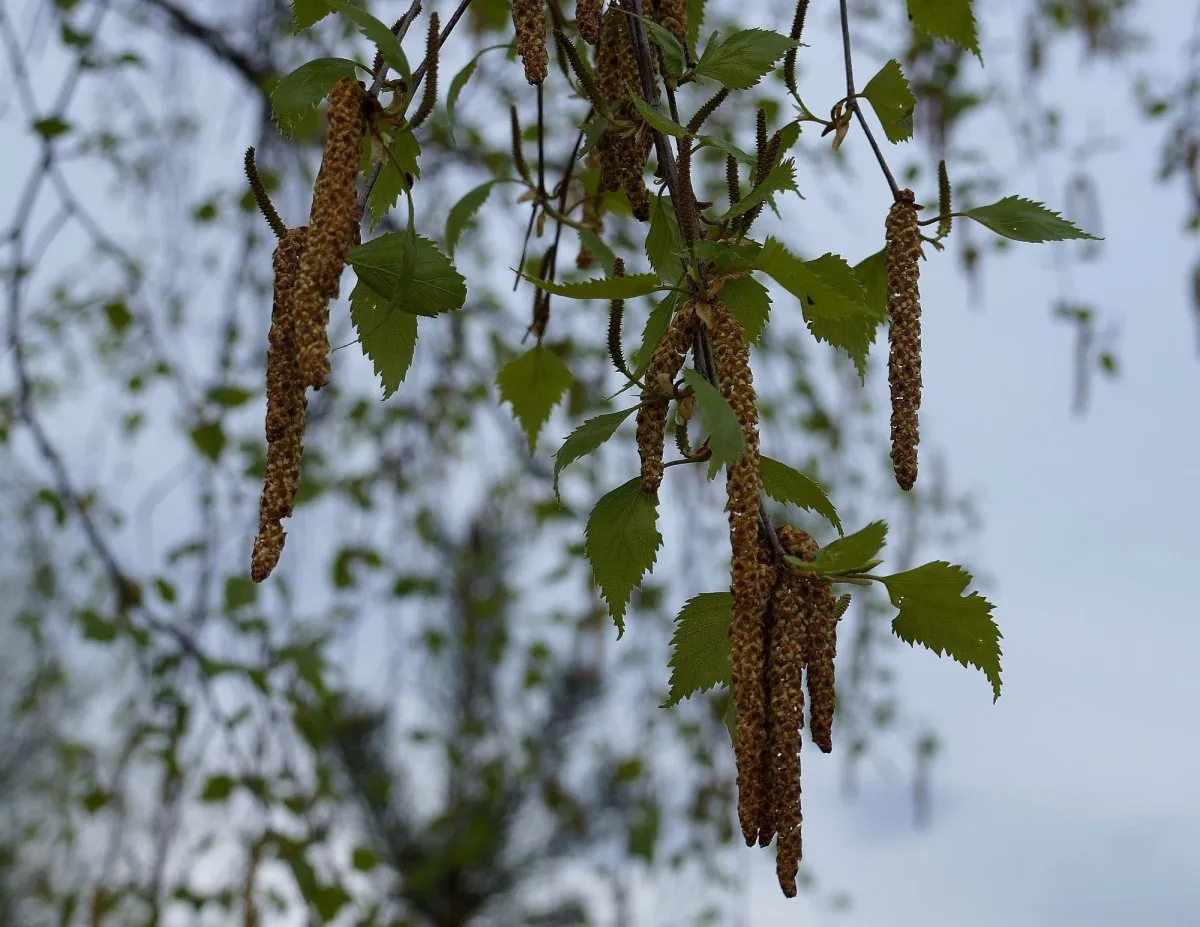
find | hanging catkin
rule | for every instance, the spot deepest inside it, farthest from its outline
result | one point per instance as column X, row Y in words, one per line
column 904, row 334
column 750, row 580
column 286, row 406
column 672, row 16
column 623, row 152
column 529, row 20
column 660, row 376
column 587, row 15
column 787, row 716
column 332, row 230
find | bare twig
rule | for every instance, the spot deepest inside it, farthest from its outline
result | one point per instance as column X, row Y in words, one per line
column 852, row 101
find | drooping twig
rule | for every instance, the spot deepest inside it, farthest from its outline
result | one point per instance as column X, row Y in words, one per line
column 852, row 101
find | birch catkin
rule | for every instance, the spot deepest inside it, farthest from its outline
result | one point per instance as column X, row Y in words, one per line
column 332, row 230
column 750, row 579
column 904, row 334
column 286, row 405
column 660, row 376
column 529, row 20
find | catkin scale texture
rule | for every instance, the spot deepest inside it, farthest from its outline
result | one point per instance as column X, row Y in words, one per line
column 623, row 152
column 672, row 16
column 904, row 334
column 664, row 365
column 587, row 15
column 529, row 21
column 786, row 708
column 750, row 579
column 332, row 230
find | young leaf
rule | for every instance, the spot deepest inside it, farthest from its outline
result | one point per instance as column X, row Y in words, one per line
column 602, row 287
column 388, row 335
column 656, row 326
column 782, row 177
column 459, row 82
column 600, row 251
column 784, row 484
column 695, row 19
column 749, row 302
column 889, row 95
column 935, row 613
column 724, row 431
column 586, row 438
column 378, row 33
column 209, row 438
column 852, row 552
column 1024, row 220
column 872, row 274
column 462, row 212
column 389, row 185
column 664, row 244
column 532, row 384
column 656, row 119
column 434, row 287
column 946, row 19
column 51, row 127
column 298, row 94
column 307, row 13
column 622, row 541
column 831, row 298
column 700, row 647
column 742, row 59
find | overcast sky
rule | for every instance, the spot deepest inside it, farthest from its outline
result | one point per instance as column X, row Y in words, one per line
column 1068, row 801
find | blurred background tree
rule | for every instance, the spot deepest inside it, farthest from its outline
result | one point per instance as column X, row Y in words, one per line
column 181, row 746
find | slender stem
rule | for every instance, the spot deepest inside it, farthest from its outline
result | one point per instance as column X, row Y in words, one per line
column 852, row 100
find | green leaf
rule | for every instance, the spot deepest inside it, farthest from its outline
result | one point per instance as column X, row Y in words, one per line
column 118, row 315
column 229, row 397
column 298, row 94
column 695, row 19
column 852, row 553
column 532, row 384
column 239, row 591
column 749, row 302
column 600, row 251
column 217, row 788
column 1024, row 220
column 383, row 37
column 673, row 56
column 831, row 298
column 729, row 148
column 602, row 287
column 388, row 336
column 726, row 440
column 51, row 127
column 435, row 286
column 622, row 541
column 784, row 484
column 664, row 244
column 657, row 119
column 642, row 838
column 364, row 859
column 95, row 800
column 95, row 628
column 462, row 212
column 389, row 187
column 893, row 101
column 460, row 82
column 700, row 646
column 656, row 326
column 209, row 439
column 742, row 59
column 782, row 177
column 946, row 19
column 306, row 13
column 872, row 274
column 586, row 438
column 935, row 614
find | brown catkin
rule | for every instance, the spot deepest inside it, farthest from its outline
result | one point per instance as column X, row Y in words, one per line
column 286, row 406
column 624, row 151
column 818, row 616
column 332, row 230
column 787, row 717
column 529, row 20
column 672, row 16
column 750, row 580
column 904, row 334
column 652, row 414
column 587, row 15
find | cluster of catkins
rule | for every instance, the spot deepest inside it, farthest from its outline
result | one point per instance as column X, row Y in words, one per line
column 782, row 622
column 308, row 264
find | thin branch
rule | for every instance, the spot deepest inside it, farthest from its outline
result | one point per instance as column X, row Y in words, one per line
column 852, row 100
